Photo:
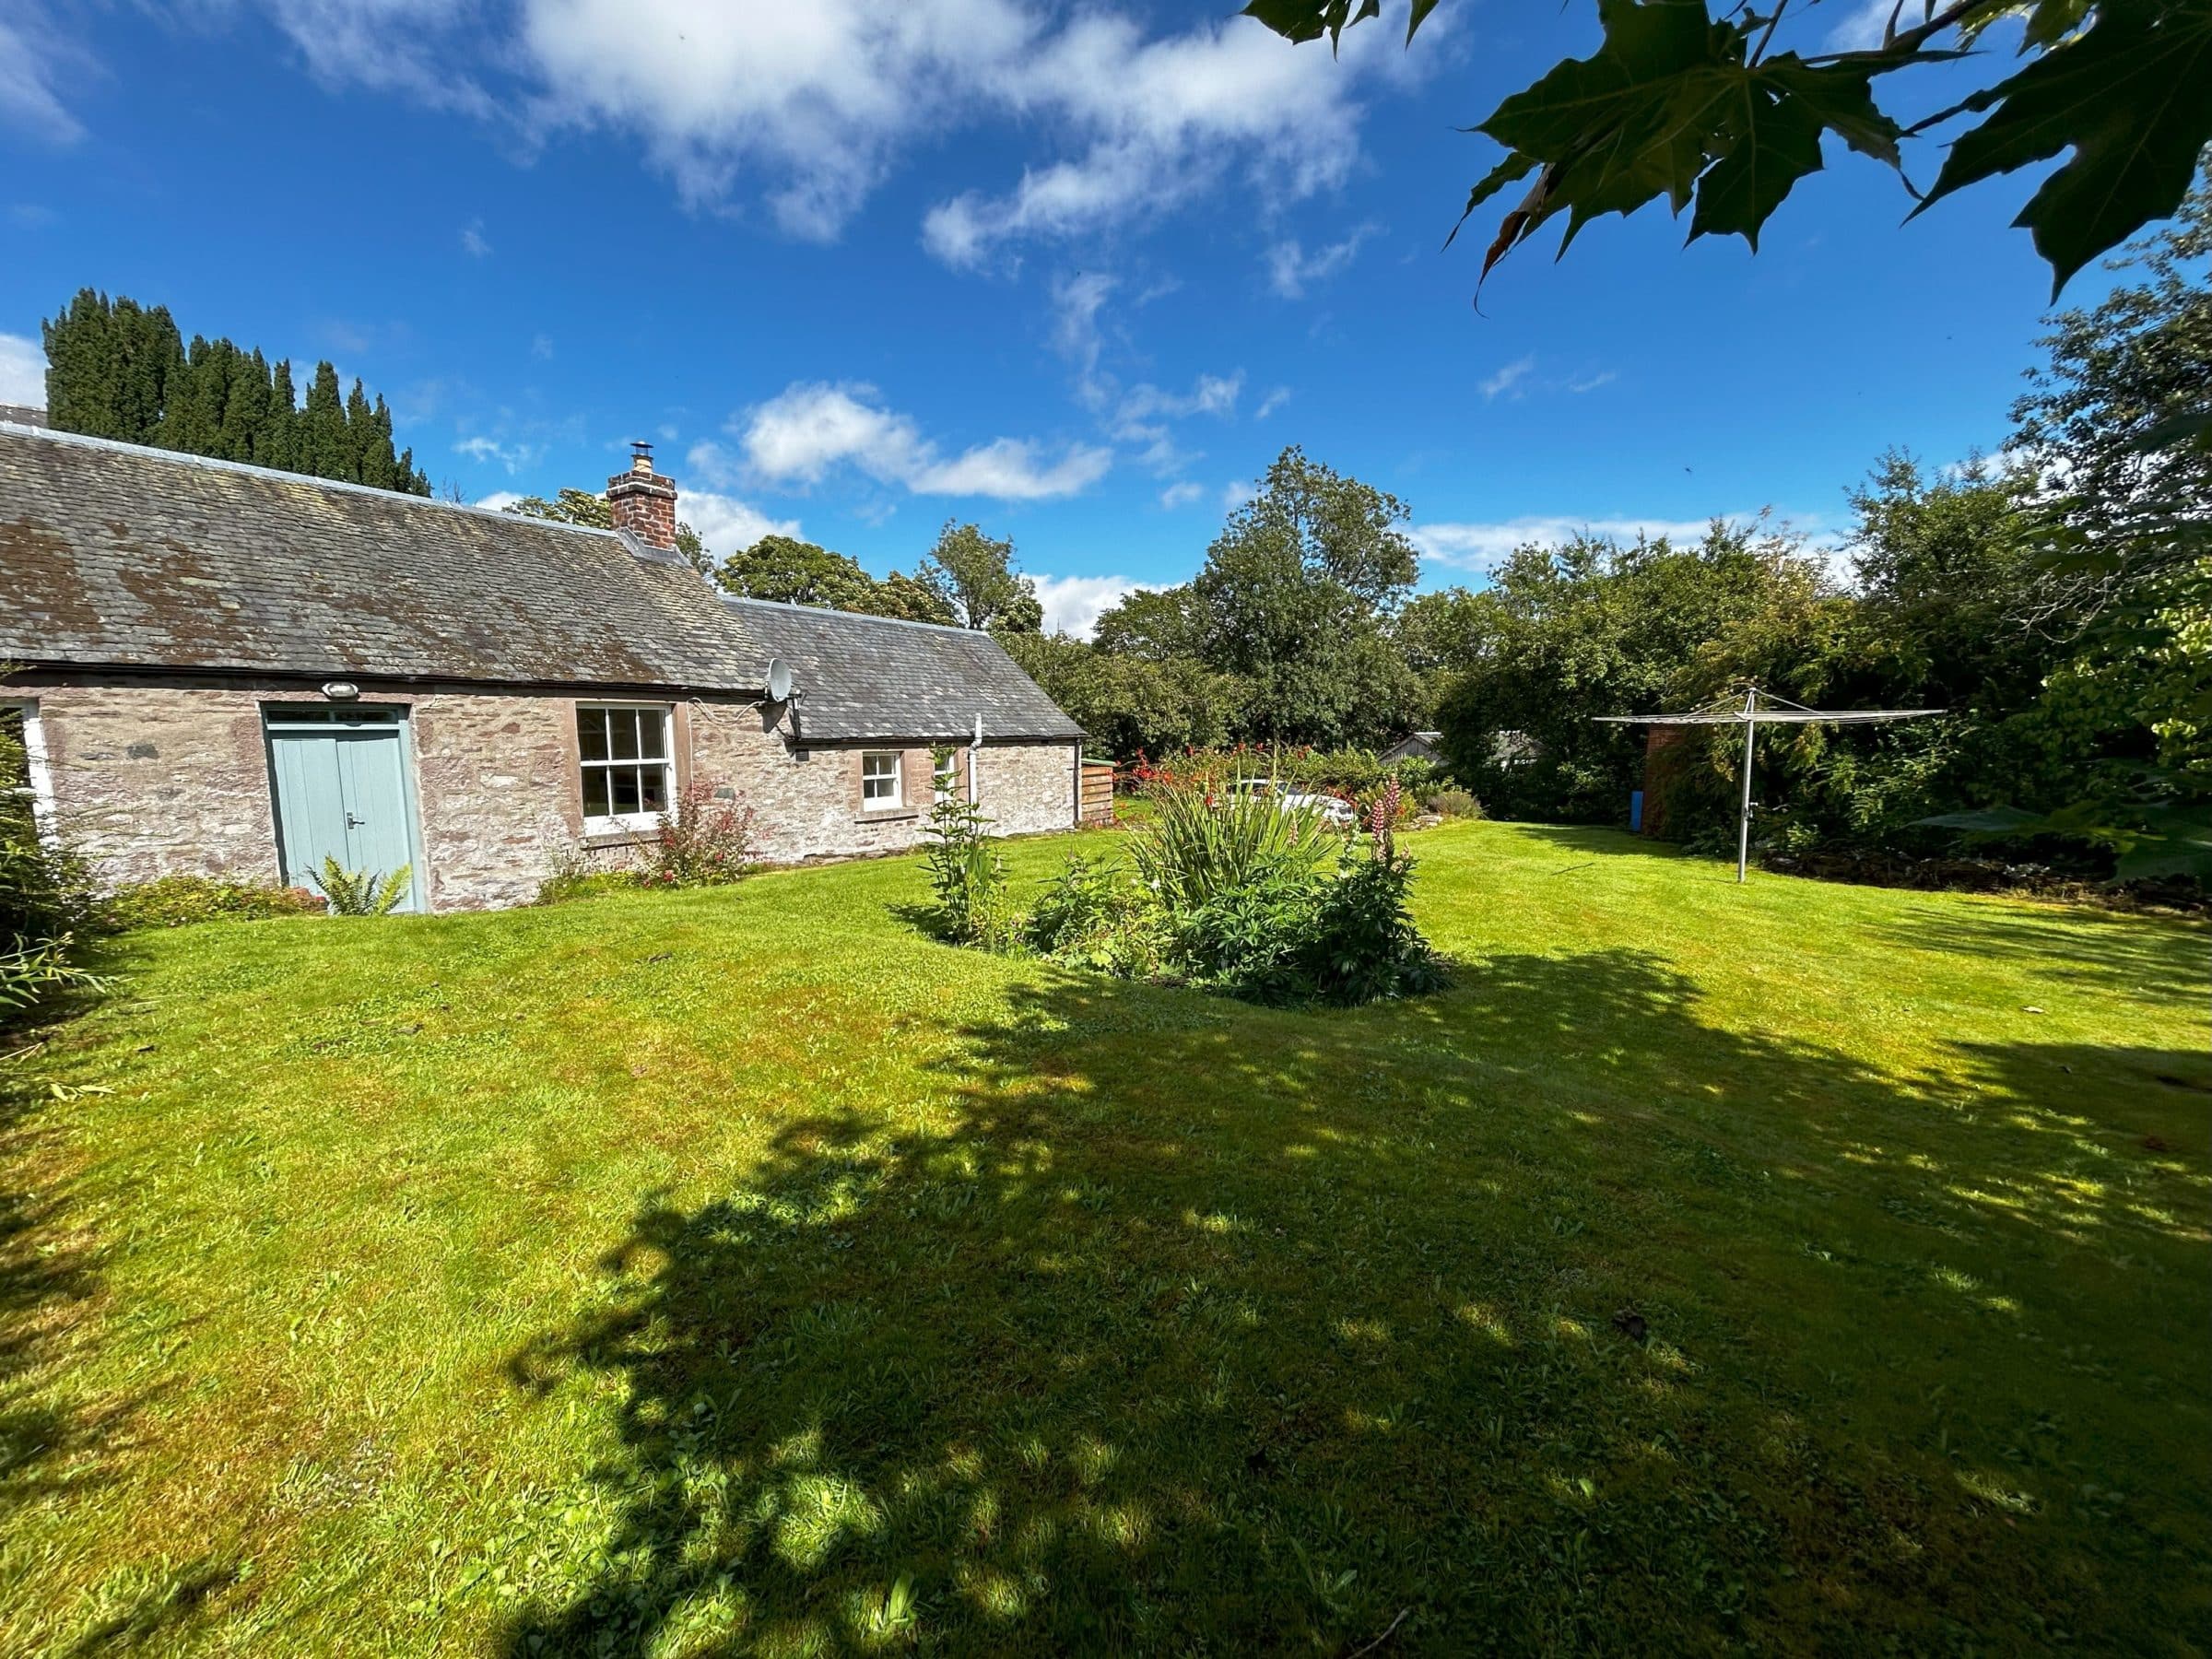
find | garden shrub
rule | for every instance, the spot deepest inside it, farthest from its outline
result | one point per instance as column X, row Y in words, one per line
column 1454, row 803
column 1094, row 914
column 1349, row 772
column 1235, row 895
column 47, row 903
column 1200, row 841
column 1362, row 944
column 1250, row 941
column 183, row 901
column 705, row 842
column 968, row 877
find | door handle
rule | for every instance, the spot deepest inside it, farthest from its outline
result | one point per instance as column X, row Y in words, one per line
column 354, row 823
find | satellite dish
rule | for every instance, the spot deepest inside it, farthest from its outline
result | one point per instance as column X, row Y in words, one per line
column 778, row 680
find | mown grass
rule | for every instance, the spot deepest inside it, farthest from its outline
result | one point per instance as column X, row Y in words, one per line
column 745, row 1270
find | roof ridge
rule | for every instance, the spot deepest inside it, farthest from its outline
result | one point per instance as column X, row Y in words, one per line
column 215, row 463
column 831, row 610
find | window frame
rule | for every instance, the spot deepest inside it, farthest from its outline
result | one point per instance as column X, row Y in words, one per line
column 896, row 803
column 37, row 774
column 627, row 823
column 945, row 781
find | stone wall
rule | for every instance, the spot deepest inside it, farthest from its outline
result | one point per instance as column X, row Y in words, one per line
column 156, row 777
column 1028, row 787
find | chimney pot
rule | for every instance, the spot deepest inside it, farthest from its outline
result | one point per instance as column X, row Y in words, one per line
column 641, row 500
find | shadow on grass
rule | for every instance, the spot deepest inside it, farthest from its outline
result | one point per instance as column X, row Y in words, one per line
column 1190, row 1325
column 56, row 1447
column 49, row 1275
column 2136, row 956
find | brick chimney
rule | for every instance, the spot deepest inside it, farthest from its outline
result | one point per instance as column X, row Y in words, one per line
column 641, row 501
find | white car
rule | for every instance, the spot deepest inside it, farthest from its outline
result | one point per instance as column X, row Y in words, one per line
column 1335, row 811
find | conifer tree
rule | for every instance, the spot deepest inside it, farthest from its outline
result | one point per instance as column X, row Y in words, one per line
column 324, row 448
column 245, row 407
column 116, row 369
column 276, row 444
column 150, row 356
column 80, row 366
column 191, row 407
column 360, row 435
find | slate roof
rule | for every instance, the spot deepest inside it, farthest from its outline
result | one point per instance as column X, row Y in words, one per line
column 115, row 555
column 871, row 677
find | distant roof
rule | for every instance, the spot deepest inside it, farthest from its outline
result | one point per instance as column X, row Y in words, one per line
column 862, row 677
column 22, row 415
column 115, row 555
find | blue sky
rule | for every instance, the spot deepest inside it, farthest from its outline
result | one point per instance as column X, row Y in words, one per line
column 1077, row 273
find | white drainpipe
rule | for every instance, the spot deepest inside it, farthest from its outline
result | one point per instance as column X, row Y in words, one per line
column 975, row 757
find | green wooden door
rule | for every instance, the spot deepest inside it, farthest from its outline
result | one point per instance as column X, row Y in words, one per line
column 341, row 793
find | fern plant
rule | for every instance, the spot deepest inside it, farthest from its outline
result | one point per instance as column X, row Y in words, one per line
column 363, row 892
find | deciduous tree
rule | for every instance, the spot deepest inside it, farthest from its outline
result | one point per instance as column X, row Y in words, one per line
column 977, row 577
column 1725, row 114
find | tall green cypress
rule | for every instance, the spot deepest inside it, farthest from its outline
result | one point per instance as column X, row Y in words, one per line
column 116, row 369
column 326, row 450
column 192, row 402
column 81, row 360
column 360, row 435
column 151, row 355
column 277, row 444
column 245, row 406
column 380, row 465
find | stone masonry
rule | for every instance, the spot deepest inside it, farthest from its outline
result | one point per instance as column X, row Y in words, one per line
column 161, row 775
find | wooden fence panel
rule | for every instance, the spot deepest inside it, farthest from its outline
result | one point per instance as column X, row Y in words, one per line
column 1098, row 792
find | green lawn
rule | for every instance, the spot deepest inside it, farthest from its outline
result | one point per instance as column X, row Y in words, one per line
column 745, row 1270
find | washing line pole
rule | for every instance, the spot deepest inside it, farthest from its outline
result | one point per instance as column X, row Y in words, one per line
column 1743, row 822
column 1752, row 714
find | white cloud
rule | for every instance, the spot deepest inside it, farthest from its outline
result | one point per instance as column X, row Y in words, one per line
column 1156, row 121
column 1508, row 377
column 1077, row 301
column 807, row 108
column 472, row 243
column 1235, row 493
column 419, row 48
column 514, row 457
column 811, row 430
column 1591, row 383
column 22, row 371
column 727, row 525
column 1209, row 395
column 35, row 58
column 1291, row 270
column 1482, row 548
column 1138, row 415
column 1271, row 403
column 498, row 501
column 1181, row 495
column 1073, row 604
column 541, row 347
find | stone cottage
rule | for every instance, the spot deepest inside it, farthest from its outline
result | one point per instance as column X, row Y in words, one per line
column 218, row 669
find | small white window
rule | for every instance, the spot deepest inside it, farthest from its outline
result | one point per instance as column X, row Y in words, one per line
column 23, row 772
column 626, row 776
column 879, row 781
column 947, row 778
